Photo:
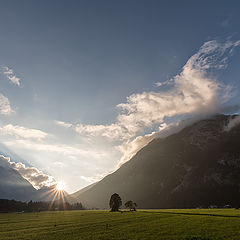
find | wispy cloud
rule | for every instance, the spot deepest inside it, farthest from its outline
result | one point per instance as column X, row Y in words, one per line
column 22, row 132
column 61, row 149
column 36, row 177
column 11, row 76
column 63, row 124
column 5, row 107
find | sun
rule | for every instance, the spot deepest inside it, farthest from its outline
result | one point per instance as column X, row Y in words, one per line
column 60, row 186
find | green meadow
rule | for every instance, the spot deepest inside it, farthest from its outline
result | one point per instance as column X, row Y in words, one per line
column 194, row 224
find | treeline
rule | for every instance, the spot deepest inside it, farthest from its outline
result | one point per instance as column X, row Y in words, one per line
column 18, row 206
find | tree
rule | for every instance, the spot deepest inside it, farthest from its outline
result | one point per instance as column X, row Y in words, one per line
column 115, row 202
column 134, row 206
column 131, row 205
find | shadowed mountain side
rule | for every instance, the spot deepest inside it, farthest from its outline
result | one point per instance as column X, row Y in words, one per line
column 198, row 166
column 13, row 185
column 75, row 196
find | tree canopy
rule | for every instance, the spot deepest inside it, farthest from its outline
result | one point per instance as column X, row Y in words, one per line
column 131, row 205
column 115, row 202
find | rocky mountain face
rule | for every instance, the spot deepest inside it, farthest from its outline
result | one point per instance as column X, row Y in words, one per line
column 198, row 166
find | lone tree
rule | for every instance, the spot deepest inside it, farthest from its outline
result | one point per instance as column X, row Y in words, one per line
column 131, row 205
column 115, row 202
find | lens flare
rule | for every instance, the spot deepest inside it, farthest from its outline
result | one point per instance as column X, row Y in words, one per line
column 60, row 186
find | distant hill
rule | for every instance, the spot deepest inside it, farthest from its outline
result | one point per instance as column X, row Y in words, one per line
column 198, row 166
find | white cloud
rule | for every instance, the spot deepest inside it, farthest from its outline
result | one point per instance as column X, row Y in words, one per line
column 194, row 91
column 63, row 124
column 36, row 177
column 5, row 107
column 232, row 123
column 8, row 72
column 22, row 132
column 113, row 131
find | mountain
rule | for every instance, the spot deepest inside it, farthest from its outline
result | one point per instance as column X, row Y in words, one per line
column 198, row 166
column 13, row 185
column 76, row 196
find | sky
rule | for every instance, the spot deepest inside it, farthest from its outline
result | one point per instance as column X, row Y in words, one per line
column 85, row 84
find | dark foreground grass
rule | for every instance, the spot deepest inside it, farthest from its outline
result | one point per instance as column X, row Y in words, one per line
column 143, row 224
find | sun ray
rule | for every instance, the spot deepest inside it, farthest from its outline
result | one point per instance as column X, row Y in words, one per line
column 57, row 195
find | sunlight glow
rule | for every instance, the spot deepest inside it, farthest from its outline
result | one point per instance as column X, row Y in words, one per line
column 60, row 186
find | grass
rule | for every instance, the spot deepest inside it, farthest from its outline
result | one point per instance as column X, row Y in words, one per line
column 194, row 224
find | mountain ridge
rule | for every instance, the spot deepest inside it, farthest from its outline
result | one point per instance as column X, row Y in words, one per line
column 197, row 166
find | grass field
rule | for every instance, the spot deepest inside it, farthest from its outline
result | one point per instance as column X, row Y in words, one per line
column 184, row 224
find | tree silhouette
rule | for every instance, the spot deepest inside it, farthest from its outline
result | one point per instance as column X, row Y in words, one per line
column 115, row 202
column 131, row 205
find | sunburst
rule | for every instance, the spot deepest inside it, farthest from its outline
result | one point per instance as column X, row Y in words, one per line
column 60, row 186
column 56, row 193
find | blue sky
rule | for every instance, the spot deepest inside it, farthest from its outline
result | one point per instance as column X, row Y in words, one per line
column 66, row 65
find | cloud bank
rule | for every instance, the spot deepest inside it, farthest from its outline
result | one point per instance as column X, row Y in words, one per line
column 37, row 178
column 194, row 90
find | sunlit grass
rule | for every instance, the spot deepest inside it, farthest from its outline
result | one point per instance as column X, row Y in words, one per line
column 143, row 224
